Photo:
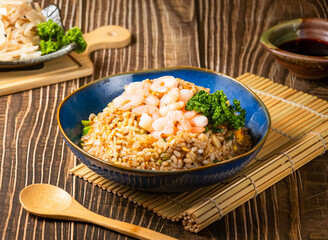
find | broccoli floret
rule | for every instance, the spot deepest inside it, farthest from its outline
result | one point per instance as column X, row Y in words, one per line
column 217, row 109
column 74, row 35
column 51, row 35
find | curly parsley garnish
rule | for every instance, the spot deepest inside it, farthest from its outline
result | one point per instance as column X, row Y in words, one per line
column 217, row 109
column 53, row 37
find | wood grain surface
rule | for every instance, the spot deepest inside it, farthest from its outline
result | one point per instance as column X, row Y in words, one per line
column 221, row 35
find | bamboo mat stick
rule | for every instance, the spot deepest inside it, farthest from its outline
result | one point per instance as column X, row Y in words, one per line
column 273, row 137
column 275, row 145
column 283, row 111
column 318, row 105
column 129, row 193
column 263, row 86
column 325, row 112
column 184, row 200
column 118, row 189
column 83, row 171
column 76, row 168
column 106, row 185
column 112, row 186
column 171, row 203
column 297, row 117
column 135, row 195
column 151, row 200
column 287, row 92
column 144, row 197
column 156, row 203
column 123, row 191
column 93, row 178
column 100, row 181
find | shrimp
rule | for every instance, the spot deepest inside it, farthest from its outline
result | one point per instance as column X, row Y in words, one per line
column 156, row 115
column 156, row 134
column 149, row 109
column 133, row 88
column 162, row 126
column 170, row 97
column 146, row 122
column 190, row 114
column 199, row 121
column 138, row 88
column 174, row 106
column 178, row 116
column 197, row 129
column 184, row 126
column 152, row 100
column 163, row 123
column 125, row 102
column 185, row 95
column 164, row 84
column 175, row 116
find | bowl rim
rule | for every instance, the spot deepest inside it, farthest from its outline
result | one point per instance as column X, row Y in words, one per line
column 159, row 172
column 268, row 45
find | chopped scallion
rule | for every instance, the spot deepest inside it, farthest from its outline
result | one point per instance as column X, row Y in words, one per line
column 85, row 130
column 85, row 123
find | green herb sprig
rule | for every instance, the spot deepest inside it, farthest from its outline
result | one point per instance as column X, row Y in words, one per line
column 53, row 37
column 217, row 109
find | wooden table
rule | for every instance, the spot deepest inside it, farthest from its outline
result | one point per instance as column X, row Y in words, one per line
column 219, row 35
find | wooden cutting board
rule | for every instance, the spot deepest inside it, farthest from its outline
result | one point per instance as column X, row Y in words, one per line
column 67, row 67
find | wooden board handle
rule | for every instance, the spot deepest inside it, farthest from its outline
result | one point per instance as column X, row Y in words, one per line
column 107, row 37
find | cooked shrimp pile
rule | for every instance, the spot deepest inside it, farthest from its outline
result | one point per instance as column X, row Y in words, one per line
column 147, row 127
column 18, row 33
column 161, row 107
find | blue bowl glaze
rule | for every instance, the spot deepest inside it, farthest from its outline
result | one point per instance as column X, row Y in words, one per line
column 94, row 97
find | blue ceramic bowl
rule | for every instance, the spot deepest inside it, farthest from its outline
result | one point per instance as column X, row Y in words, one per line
column 94, row 97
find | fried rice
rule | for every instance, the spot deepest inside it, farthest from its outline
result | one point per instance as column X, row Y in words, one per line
column 116, row 136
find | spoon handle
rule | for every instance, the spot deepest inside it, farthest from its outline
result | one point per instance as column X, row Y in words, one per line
column 122, row 227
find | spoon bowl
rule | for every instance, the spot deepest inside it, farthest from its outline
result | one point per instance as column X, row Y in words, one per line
column 42, row 199
column 46, row 200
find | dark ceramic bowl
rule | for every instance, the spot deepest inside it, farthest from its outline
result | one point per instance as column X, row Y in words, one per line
column 95, row 96
column 304, row 66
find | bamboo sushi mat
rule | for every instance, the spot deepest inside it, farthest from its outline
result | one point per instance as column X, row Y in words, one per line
column 299, row 133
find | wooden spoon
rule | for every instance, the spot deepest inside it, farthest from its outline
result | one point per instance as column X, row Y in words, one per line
column 53, row 202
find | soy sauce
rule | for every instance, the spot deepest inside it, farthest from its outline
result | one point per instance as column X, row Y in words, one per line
column 310, row 47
